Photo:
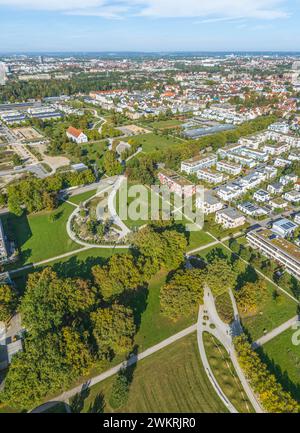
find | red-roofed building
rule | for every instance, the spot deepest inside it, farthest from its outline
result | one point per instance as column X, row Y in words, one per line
column 76, row 135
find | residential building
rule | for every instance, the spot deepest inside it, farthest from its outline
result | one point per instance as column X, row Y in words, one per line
column 284, row 227
column 176, row 183
column 252, row 209
column 3, row 247
column 278, row 203
column 275, row 188
column 229, row 167
column 261, row 196
column 292, row 196
column 192, row 165
column 230, row 218
column 288, row 178
column 210, row 176
column 278, row 249
column 209, row 204
column 76, row 135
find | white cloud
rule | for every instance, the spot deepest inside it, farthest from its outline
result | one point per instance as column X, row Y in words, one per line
column 209, row 9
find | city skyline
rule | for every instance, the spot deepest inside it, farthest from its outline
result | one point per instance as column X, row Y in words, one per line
column 149, row 25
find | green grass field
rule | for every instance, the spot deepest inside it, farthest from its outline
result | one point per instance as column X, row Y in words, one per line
column 94, row 152
column 165, row 124
column 225, row 374
column 152, row 142
column 80, row 198
column 171, row 380
column 37, row 237
column 283, row 359
column 77, row 265
column 154, row 327
column 272, row 313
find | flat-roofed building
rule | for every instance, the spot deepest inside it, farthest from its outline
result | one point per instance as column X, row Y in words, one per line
column 261, row 196
column 230, row 218
column 229, row 167
column 284, row 227
column 210, row 176
column 209, row 203
column 3, row 247
column 176, row 183
column 278, row 249
column 192, row 165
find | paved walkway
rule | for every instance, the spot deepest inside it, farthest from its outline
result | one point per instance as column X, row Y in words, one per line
column 275, row 332
column 99, row 378
column 112, row 210
column 225, row 334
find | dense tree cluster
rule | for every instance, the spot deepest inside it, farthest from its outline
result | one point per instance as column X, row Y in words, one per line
column 271, row 394
column 8, row 302
column 35, row 194
column 251, row 296
column 182, row 294
column 68, row 328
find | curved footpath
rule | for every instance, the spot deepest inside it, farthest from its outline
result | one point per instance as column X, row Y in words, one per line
column 115, row 185
column 225, row 334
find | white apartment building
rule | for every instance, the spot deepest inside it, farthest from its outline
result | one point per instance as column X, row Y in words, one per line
column 3, row 248
column 210, row 176
column 192, row 165
column 276, row 149
column 209, row 204
column 230, row 218
column 261, row 196
column 292, row 196
column 229, row 167
column 278, row 249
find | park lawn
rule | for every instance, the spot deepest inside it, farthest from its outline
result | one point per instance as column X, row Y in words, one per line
column 165, row 124
column 272, row 313
column 80, row 198
column 152, row 142
column 38, row 238
column 77, row 265
column 155, row 327
column 94, row 151
column 225, row 374
column 283, row 359
column 218, row 246
column 169, row 381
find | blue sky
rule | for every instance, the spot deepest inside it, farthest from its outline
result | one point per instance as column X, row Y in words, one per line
column 149, row 25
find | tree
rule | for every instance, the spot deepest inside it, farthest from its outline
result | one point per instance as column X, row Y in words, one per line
column 113, row 329
column 220, row 276
column 165, row 248
column 8, row 302
column 37, row 371
column 119, row 391
column 270, row 393
column 111, row 165
column 251, row 296
column 183, row 294
column 16, row 160
column 50, row 302
column 75, row 350
column 121, row 273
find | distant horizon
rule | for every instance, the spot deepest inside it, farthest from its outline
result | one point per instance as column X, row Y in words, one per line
column 149, row 26
column 162, row 52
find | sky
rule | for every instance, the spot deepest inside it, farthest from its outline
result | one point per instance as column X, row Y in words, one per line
column 149, row 25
